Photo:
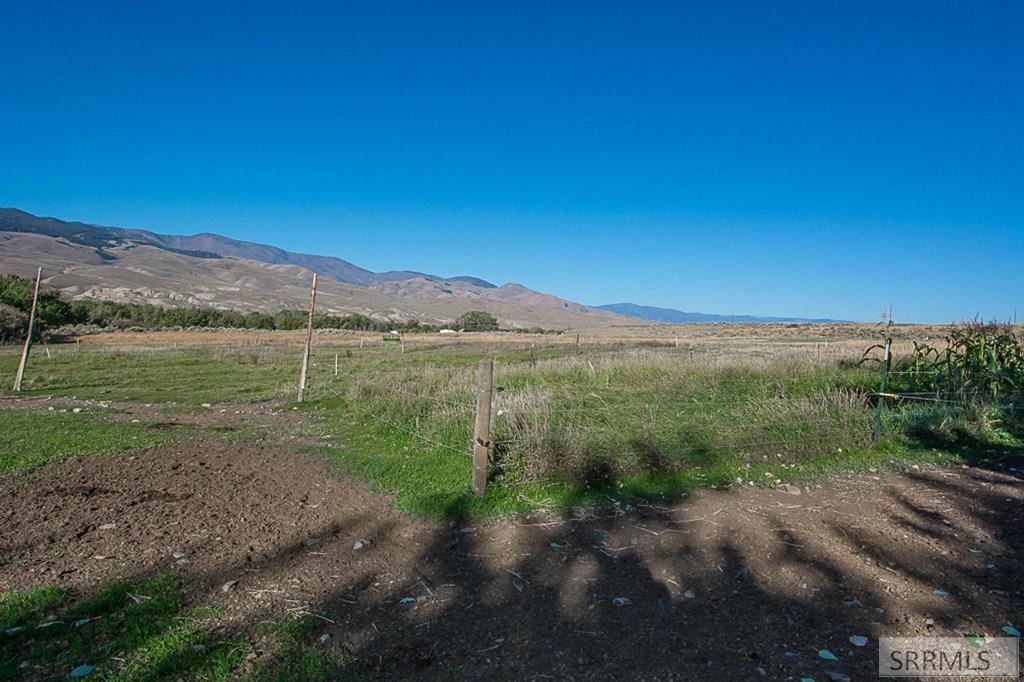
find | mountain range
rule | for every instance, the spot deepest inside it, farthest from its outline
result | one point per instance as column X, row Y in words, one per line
column 87, row 261
column 672, row 316
column 139, row 266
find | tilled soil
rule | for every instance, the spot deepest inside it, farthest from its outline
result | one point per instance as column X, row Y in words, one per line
column 746, row 584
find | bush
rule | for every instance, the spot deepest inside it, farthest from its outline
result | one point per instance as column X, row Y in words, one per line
column 12, row 324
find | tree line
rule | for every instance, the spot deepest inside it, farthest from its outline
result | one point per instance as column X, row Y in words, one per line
column 54, row 312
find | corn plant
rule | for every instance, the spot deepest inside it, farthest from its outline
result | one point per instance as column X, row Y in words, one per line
column 978, row 363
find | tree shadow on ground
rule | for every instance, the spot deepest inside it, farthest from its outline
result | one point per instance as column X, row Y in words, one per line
column 722, row 585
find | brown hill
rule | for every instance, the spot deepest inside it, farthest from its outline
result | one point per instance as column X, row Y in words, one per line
column 121, row 267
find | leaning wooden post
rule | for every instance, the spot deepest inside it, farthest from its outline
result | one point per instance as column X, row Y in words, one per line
column 482, row 428
column 309, row 341
column 877, row 431
column 28, row 336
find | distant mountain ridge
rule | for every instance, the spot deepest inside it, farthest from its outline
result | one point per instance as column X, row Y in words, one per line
column 141, row 266
column 672, row 316
column 208, row 245
column 86, row 261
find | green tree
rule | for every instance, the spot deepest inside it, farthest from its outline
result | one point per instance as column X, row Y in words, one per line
column 477, row 321
column 16, row 292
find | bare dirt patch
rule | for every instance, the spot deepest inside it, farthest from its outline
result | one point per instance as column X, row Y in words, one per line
column 724, row 585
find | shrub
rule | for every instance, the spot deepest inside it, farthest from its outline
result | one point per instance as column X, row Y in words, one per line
column 12, row 323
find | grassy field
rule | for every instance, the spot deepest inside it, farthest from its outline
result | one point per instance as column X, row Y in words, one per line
column 572, row 425
column 603, row 423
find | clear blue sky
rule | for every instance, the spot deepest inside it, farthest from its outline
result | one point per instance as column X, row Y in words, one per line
column 786, row 158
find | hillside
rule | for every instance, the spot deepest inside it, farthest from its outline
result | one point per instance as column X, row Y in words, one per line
column 91, row 261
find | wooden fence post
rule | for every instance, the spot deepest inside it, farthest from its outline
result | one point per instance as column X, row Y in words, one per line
column 482, row 427
column 309, row 341
column 877, row 431
column 28, row 337
column 335, row 364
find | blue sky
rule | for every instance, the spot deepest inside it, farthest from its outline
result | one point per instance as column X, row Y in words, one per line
column 779, row 158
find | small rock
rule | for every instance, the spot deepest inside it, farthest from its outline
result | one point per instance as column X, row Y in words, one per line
column 230, row 586
column 1010, row 630
column 407, row 600
column 622, row 601
column 790, row 488
column 207, row 405
column 325, row 638
column 76, row 410
column 312, row 541
column 837, row 677
column 108, row 526
column 858, row 640
column 198, row 647
column 940, row 593
column 827, row 655
column 689, row 594
column 360, row 544
column 178, row 554
column 82, row 670
column 852, row 602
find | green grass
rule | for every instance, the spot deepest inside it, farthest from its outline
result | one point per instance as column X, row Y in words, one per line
column 191, row 377
column 33, row 438
column 142, row 632
column 241, row 373
column 574, row 431
column 434, row 481
column 127, row 632
column 297, row 654
column 570, row 427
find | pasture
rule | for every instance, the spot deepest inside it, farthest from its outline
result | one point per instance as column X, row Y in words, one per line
column 174, row 512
